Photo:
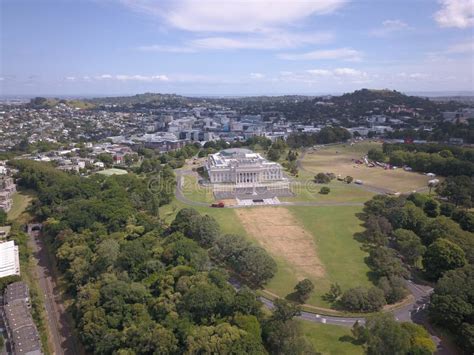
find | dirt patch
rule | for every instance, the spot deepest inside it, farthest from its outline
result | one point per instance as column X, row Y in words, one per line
column 277, row 230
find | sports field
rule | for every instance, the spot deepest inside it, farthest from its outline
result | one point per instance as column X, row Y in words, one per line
column 338, row 159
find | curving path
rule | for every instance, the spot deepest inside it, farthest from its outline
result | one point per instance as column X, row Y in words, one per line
column 414, row 311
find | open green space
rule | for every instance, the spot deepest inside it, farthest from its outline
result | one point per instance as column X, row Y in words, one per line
column 113, row 171
column 339, row 159
column 308, row 191
column 226, row 217
column 194, row 191
column 332, row 229
column 21, row 200
column 330, row 339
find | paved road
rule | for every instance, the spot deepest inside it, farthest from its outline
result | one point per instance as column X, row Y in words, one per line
column 58, row 320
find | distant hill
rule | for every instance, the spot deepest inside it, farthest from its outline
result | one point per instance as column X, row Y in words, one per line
column 41, row 102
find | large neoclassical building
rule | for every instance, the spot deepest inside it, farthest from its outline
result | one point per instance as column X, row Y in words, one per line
column 236, row 170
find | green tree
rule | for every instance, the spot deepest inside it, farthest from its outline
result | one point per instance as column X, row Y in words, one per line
column 3, row 217
column 273, row 154
column 452, row 304
column 442, row 256
column 386, row 336
column 431, row 208
column 325, row 190
column 334, row 292
column 458, row 190
column 348, row 179
column 409, row 245
column 420, row 339
column 360, row 299
column 322, row 178
column 303, row 290
column 376, row 154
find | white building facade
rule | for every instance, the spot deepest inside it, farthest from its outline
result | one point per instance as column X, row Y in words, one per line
column 242, row 167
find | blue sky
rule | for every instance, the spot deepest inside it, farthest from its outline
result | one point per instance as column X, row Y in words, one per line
column 243, row 47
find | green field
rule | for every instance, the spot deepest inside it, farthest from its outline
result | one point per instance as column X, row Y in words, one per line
column 20, row 203
column 226, row 217
column 338, row 159
column 330, row 339
column 308, row 191
column 112, row 171
column 332, row 229
column 193, row 191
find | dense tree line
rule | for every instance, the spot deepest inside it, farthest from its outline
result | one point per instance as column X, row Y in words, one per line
column 325, row 136
column 438, row 159
column 440, row 133
column 142, row 287
column 406, row 233
column 416, row 232
column 452, row 305
column 382, row 334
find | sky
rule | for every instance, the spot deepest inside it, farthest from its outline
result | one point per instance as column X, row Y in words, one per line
column 234, row 47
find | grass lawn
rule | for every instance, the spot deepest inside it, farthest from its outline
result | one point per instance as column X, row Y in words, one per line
column 21, row 200
column 330, row 339
column 193, row 191
column 113, row 171
column 338, row 160
column 225, row 216
column 308, row 191
column 332, row 229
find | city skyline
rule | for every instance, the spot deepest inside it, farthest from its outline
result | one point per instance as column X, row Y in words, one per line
column 234, row 48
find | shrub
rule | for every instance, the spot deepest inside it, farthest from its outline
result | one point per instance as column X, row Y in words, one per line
column 324, row 190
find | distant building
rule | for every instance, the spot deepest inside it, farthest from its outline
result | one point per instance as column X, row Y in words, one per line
column 7, row 189
column 456, row 141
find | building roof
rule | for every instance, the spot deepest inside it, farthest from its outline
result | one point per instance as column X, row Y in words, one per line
column 235, row 152
column 24, row 334
column 9, row 259
column 16, row 291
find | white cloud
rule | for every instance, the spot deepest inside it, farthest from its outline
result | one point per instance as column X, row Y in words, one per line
column 319, row 72
column 269, row 40
column 70, row 78
column 233, row 15
column 122, row 77
column 166, row 48
column 141, row 78
column 1, row 78
column 412, row 75
column 349, row 72
column 455, row 13
column 104, row 77
column 339, row 53
column 257, row 75
column 389, row 27
column 329, row 77
column 462, row 47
